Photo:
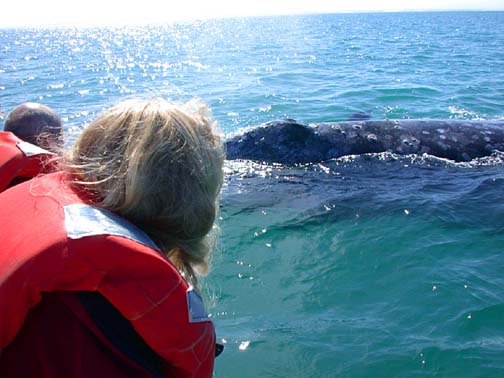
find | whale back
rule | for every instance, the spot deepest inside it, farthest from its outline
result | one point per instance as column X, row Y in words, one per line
column 282, row 141
column 290, row 142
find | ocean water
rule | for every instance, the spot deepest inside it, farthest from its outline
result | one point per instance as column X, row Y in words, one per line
column 364, row 266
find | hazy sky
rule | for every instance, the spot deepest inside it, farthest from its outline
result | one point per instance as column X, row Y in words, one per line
column 114, row 12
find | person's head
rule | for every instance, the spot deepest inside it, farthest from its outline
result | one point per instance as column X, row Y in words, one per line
column 160, row 166
column 37, row 124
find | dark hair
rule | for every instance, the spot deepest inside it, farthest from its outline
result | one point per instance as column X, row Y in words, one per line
column 35, row 123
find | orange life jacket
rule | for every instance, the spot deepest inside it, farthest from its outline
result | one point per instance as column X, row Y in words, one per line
column 21, row 160
column 53, row 241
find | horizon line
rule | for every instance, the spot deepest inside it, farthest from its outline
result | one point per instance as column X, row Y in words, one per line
column 185, row 20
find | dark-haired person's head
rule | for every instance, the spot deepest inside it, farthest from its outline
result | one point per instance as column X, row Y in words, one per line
column 37, row 124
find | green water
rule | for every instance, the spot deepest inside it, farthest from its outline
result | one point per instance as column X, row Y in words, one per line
column 369, row 267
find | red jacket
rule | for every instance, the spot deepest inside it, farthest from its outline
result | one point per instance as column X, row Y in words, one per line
column 52, row 242
column 20, row 160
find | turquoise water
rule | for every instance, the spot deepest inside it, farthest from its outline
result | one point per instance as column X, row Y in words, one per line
column 364, row 266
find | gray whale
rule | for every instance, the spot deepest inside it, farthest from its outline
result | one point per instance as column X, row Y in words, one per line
column 290, row 142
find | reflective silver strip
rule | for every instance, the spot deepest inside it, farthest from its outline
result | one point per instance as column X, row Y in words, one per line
column 196, row 307
column 30, row 149
column 84, row 220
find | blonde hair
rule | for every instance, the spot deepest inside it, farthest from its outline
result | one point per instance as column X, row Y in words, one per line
column 159, row 166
